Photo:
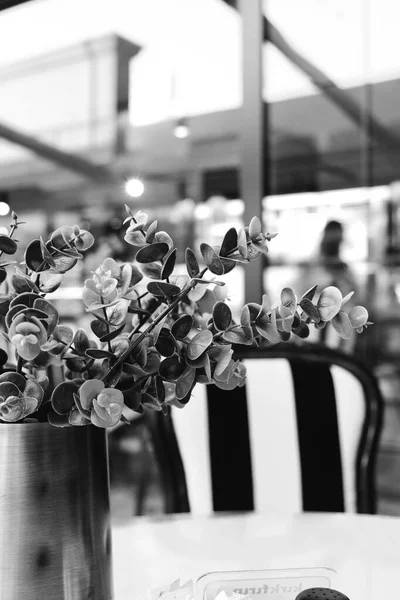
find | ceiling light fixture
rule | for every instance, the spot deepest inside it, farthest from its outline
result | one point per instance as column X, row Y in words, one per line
column 181, row 129
column 4, row 209
column 134, row 187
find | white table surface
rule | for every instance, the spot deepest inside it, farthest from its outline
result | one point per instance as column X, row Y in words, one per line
column 364, row 550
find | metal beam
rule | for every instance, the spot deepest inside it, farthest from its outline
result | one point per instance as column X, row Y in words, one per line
column 67, row 160
column 358, row 114
column 252, row 133
column 346, row 103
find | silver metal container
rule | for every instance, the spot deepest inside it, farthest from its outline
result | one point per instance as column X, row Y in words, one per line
column 55, row 537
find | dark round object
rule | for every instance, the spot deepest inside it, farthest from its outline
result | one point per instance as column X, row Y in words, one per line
column 7, row 244
column 318, row 593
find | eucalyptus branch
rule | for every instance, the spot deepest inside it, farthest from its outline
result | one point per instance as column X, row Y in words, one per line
column 179, row 360
column 144, row 320
column 154, row 324
column 106, row 324
column 53, row 252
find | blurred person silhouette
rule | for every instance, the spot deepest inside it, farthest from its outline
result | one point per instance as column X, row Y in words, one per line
column 328, row 268
column 337, row 271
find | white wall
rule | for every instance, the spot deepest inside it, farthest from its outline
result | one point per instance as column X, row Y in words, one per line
column 67, row 98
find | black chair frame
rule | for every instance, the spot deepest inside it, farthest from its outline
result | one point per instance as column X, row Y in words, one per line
column 167, row 451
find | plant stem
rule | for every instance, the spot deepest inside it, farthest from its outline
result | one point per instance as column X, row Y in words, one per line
column 107, row 323
column 139, row 298
column 143, row 322
column 20, row 363
column 156, row 321
column 73, row 350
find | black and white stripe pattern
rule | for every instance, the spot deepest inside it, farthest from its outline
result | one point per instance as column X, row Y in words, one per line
column 301, row 435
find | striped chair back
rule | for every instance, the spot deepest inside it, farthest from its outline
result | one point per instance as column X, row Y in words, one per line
column 301, row 435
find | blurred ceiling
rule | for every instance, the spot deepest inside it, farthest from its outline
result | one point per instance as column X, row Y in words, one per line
column 350, row 41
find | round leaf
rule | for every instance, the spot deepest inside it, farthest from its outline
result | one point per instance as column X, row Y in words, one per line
column 237, row 336
column 341, row 323
column 108, row 337
column 166, row 344
column 76, row 364
column 185, row 383
column 7, row 244
column 135, row 238
column 285, row 335
column 99, row 328
column 152, row 270
column 26, row 298
column 63, row 264
column 182, row 326
column 116, row 314
column 329, row 302
column 63, row 334
column 62, row 399
column 288, row 299
column 171, row 368
column 192, row 264
column 242, row 243
column 254, row 227
column 206, row 302
column 34, row 257
column 85, row 240
column 22, row 284
column 152, row 252
column 51, row 312
column 81, row 341
column 268, row 329
column 222, row 356
column 58, row 420
column 162, row 289
column 302, row 330
column 199, row 344
column 165, row 238
column 222, row 316
column 245, row 321
column 229, row 242
column 151, row 231
column 49, row 282
column 15, row 378
column 169, row 265
column 3, row 357
column 310, row 309
column 212, row 259
column 309, row 294
column 358, row 316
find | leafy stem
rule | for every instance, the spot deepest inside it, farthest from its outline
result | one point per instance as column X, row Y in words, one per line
column 154, row 324
column 107, row 324
column 144, row 320
column 53, row 252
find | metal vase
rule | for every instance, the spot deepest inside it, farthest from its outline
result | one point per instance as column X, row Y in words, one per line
column 55, row 537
